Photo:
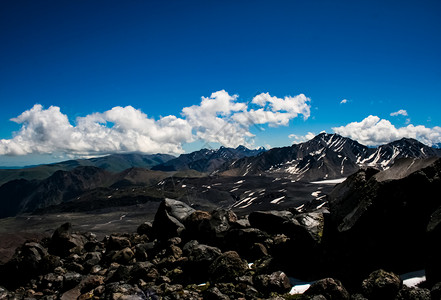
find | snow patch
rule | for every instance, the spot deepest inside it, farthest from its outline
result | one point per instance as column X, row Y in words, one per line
column 412, row 279
column 277, row 200
column 316, row 193
column 329, row 181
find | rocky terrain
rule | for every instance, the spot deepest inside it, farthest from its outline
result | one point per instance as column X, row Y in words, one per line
column 374, row 225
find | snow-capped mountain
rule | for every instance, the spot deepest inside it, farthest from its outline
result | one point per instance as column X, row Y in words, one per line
column 207, row 160
column 326, row 156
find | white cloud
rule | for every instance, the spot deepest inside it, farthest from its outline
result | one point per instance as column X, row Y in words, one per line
column 374, row 131
column 344, row 101
column 219, row 118
column 49, row 130
column 401, row 112
column 301, row 138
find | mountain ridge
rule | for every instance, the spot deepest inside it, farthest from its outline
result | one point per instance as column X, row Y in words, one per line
column 112, row 163
column 326, row 156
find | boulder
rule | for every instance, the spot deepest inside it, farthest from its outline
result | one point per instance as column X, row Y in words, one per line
column 145, row 228
column 64, row 242
column 381, row 285
column 243, row 240
column 383, row 219
column 221, row 220
column 123, row 256
column 169, row 218
column 200, row 257
column 226, row 267
column 271, row 221
column 118, row 243
column 276, row 282
column 330, row 288
column 28, row 261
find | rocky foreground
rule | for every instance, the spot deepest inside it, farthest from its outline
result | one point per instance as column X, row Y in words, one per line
column 373, row 226
column 191, row 254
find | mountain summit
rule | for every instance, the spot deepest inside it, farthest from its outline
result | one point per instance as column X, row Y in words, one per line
column 326, row 156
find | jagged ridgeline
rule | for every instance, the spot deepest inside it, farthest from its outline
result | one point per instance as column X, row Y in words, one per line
column 240, row 178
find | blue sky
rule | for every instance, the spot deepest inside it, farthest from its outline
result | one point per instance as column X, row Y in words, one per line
column 153, row 59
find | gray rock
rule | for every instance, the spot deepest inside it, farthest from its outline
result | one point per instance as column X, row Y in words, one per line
column 64, row 242
column 169, row 219
column 331, row 288
column 276, row 282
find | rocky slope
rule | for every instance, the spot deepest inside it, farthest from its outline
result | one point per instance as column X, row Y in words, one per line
column 388, row 218
column 327, row 156
column 73, row 187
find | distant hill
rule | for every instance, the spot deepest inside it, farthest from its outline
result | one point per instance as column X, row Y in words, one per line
column 111, row 163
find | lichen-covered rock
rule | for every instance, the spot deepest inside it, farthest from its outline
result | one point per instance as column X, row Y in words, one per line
column 331, row 288
column 381, row 285
column 227, row 266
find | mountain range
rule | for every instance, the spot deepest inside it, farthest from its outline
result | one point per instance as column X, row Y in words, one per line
column 205, row 177
column 326, row 156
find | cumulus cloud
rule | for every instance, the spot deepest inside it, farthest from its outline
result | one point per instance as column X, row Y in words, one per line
column 401, row 112
column 211, row 120
column 121, row 129
column 373, row 131
column 301, row 138
column 274, row 111
column 219, row 118
column 344, row 101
